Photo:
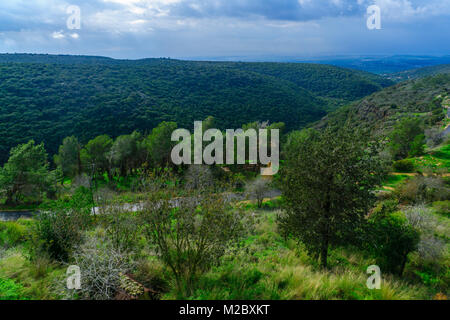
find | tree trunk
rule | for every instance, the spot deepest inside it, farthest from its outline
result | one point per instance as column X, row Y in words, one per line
column 324, row 252
column 402, row 267
column 326, row 231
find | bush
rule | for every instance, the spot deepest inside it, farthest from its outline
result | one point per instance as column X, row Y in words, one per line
column 431, row 249
column 434, row 137
column 422, row 189
column 417, row 146
column 192, row 236
column 9, row 290
column 420, row 218
column 442, row 207
column 391, row 239
column 121, row 227
column 199, row 177
column 258, row 189
column 12, row 233
column 102, row 269
column 59, row 226
column 404, row 166
column 57, row 232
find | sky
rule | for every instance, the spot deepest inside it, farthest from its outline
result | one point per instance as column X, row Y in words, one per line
column 133, row 29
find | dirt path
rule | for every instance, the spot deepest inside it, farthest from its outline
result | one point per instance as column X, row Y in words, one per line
column 415, row 174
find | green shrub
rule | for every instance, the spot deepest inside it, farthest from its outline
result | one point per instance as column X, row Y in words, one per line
column 391, row 239
column 404, row 166
column 12, row 233
column 417, row 146
column 9, row 290
column 422, row 189
column 442, row 207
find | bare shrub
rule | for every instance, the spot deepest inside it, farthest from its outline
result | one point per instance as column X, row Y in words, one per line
column 420, row 217
column 199, row 177
column 434, row 137
column 121, row 227
column 102, row 268
column 431, row 249
column 422, row 189
column 258, row 189
column 81, row 180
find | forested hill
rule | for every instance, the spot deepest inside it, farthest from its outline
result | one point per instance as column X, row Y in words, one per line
column 420, row 73
column 47, row 98
column 425, row 98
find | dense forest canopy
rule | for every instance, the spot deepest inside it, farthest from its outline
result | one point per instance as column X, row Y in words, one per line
column 47, row 98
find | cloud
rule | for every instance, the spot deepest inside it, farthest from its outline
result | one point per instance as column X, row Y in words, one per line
column 142, row 28
column 58, row 35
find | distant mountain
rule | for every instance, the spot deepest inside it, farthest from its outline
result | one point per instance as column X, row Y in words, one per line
column 419, row 73
column 383, row 65
column 380, row 111
column 47, row 98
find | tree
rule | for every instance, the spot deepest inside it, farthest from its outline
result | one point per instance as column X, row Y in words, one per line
column 26, row 173
column 329, row 178
column 417, row 146
column 403, row 136
column 159, row 143
column 258, row 189
column 123, row 151
column 68, row 157
column 95, row 154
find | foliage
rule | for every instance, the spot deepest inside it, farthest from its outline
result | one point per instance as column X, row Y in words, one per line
column 417, row 148
column 407, row 138
column 59, row 229
column 199, row 177
column 68, row 157
column 421, row 189
column 391, row 239
column 434, row 137
column 405, row 165
column 159, row 144
column 12, row 233
column 258, row 189
column 52, row 97
column 9, row 290
column 383, row 110
column 192, row 236
column 26, row 173
column 329, row 180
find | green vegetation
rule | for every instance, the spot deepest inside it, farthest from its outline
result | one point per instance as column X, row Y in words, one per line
column 140, row 227
column 383, row 110
column 329, row 180
column 420, row 73
column 47, row 98
column 9, row 290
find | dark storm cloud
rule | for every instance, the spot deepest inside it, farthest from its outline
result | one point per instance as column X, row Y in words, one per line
column 293, row 10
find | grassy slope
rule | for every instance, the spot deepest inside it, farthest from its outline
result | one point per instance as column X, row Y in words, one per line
column 268, row 267
column 419, row 73
column 383, row 109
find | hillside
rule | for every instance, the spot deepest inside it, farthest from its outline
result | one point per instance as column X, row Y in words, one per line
column 47, row 98
column 419, row 73
column 380, row 111
column 337, row 85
